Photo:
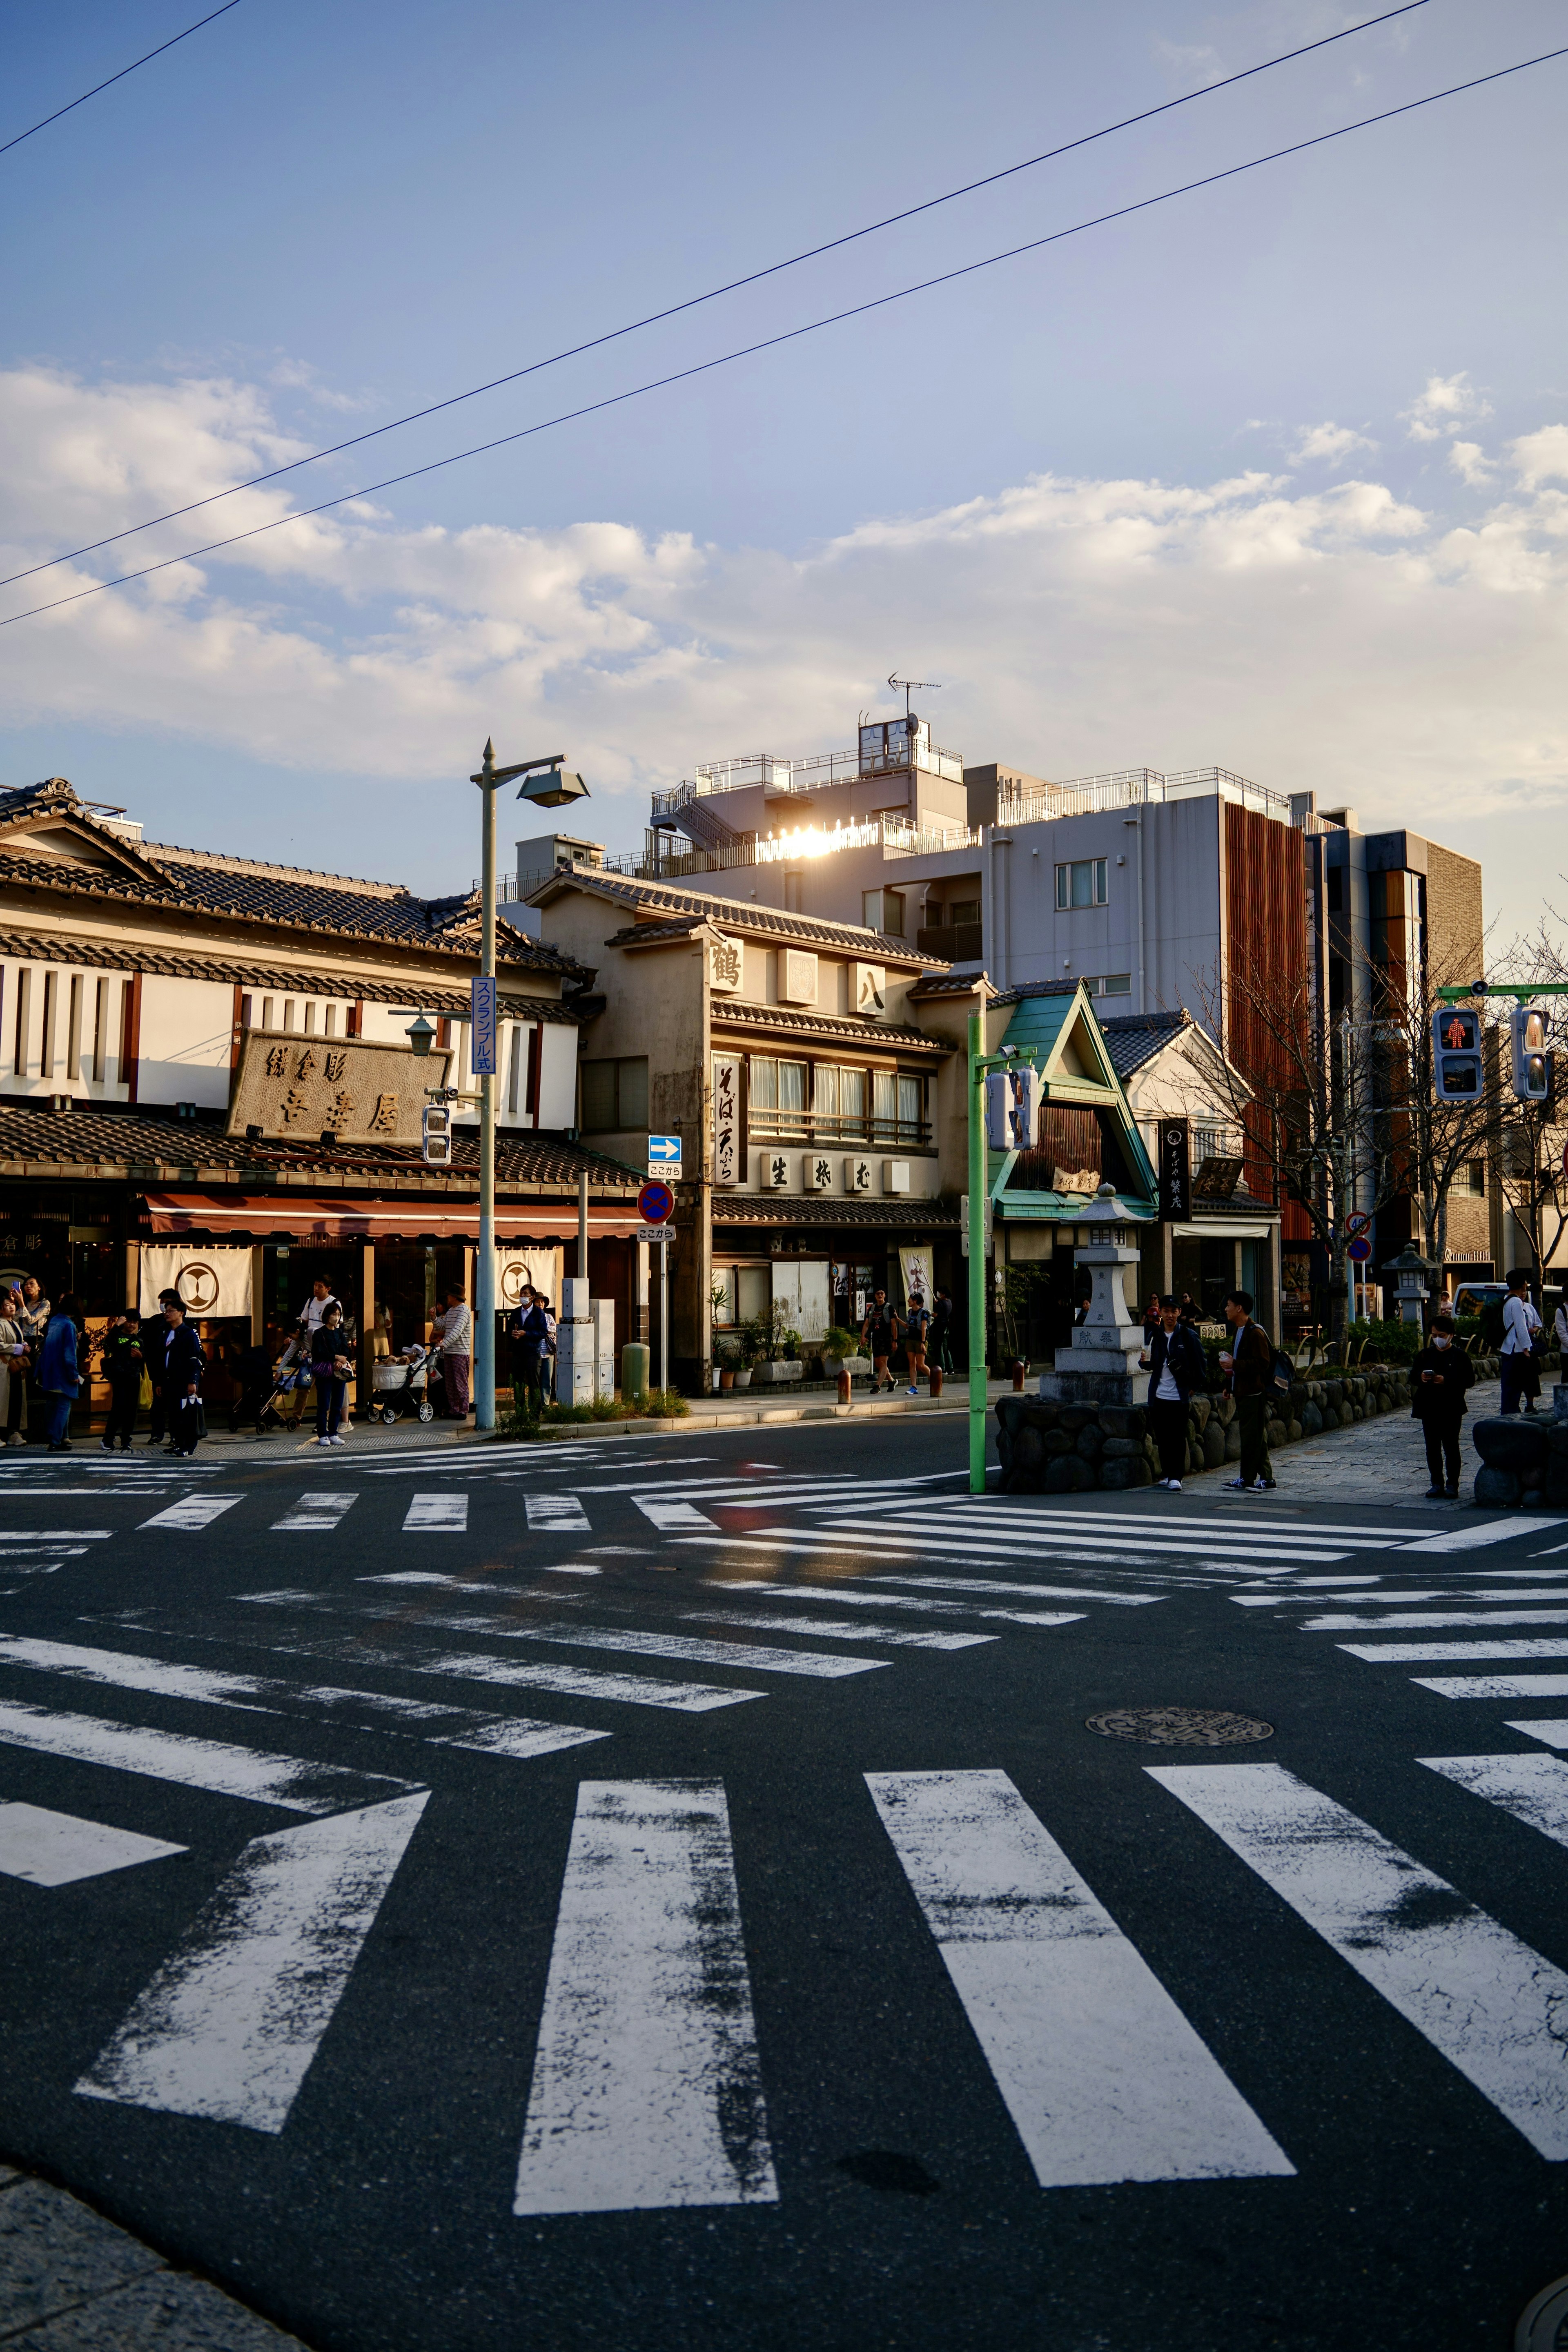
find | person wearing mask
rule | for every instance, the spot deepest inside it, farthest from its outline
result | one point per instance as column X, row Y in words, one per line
column 528, row 1354
column 1176, row 1366
column 880, row 1332
column 122, row 1362
column 330, row 1364
column 154, row 1340
column 453, row 1336
column 1519, row 1324
column 14, row 1362
column 178, row 1372
column 1440, row 1375
column 917, row 1323
column 516, row 1327
column 1249, row 1365
column 60, row 1383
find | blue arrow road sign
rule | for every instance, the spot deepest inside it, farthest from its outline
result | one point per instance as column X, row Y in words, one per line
column 664, row 1150
column 482, row 1010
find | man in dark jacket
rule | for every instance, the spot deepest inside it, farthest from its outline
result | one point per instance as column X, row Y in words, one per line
column 179, row 1364
column 1439, row 1377
column 1250, row 1364
column 1176, row 1367
column 531, row 1330
column 154, row 1340
column 122, row 1361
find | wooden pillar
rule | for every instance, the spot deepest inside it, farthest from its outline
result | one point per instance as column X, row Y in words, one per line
column 366, row 1389
column 258, row 1294
column 133, row 1276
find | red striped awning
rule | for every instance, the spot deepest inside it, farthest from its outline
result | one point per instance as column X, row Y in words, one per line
column 301, row 1217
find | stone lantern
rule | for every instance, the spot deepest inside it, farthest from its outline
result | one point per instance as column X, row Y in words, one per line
column 1101, row 1365
column 1410, row 1271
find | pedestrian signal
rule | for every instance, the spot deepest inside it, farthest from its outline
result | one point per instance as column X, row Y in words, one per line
column 1456, row 1054
column 1532, row 1062
column 1013, row 1109
column 435, row 1145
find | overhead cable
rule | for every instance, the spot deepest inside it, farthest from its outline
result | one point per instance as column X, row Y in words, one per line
column 791, row 334
column 178, row 37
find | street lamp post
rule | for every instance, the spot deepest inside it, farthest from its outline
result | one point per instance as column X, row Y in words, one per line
column 551, row 789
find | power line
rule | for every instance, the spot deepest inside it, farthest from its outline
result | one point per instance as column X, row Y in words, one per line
column 695, row 301
column 147, row 60
column 790, row 335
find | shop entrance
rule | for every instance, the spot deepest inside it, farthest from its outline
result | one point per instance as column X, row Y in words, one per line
column 1205, row 1270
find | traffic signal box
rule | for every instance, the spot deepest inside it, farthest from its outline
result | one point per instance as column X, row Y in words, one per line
column 1456, row 1054
column 1532, row 1062
column 436, row 1129
column 1013, row 1109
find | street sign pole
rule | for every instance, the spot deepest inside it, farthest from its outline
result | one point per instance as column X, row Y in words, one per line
column 977, row 1174
column 485, row 1274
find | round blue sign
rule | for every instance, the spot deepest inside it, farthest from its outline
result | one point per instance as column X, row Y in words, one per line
column 1360, row 1249
column 656, row 1202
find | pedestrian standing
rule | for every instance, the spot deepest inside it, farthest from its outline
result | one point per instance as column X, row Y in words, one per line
column 529, row 1358
column 454, row 1347
column 940, row 1337
column 181, row 1369
column 516, row 1330
column 1440, row 1374
column 14, row 1362
column 917, row 1322
column 1150, row 1319
column 59, row 1383
column 880, row 1332
column 1250, row 1365
column 330, row 1364
column 152, row 1338
column 35, row 1321
column 122, row 1361
column 1518, row 1341
column 1177, row 1366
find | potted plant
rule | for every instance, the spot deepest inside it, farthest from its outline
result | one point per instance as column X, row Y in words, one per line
column 747, row 1342
column 841, row 1353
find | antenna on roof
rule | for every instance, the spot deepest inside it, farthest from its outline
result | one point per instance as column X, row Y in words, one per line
column 910, row 685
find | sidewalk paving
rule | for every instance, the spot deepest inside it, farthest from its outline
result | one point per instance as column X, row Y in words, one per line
column 72, row 2281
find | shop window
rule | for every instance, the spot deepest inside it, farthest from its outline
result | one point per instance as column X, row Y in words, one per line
column 1081, row 883
column 615, row 1095
column 1475, row 1179
column 776, row 1095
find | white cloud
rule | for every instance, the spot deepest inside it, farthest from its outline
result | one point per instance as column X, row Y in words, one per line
column 1448, row 404
column 1335, row 638
column 1470, row 459
column 1328, row 443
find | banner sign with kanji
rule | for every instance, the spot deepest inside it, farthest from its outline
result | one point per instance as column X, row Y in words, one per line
column 303, row 1087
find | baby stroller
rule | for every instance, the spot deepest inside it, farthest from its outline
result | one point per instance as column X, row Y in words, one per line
column 403, row 1388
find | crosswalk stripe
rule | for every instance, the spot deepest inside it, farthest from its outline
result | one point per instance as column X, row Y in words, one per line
column 228, row 2026
column 1533, row 1788
column 844, row 1598
column 428, row 1512
column 668, row 1516
column 51, row 1849
column 784, row 1539
column 1134, row 1546
column 430, row 1576
column 1492, row 2007
column 518, row 1737
column 555, row 1514
column 837, row 1629
column 47, row 1536
column 1494, row 1686
column 1027, row 1591
column 506, row 1674
column 648, row 2086
column 750, row 1656
column 121, row 1670
column 314, row 1514
column 193, row 1511
column 288, row 1780
column 1103, row 2076
column 1492, row 1531
column 1402, row 1653
column 1240, row 1528
column 1397, row 1621
column 1554, row 1733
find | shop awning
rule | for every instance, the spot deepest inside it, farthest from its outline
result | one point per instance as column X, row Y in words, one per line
column 301, row 1218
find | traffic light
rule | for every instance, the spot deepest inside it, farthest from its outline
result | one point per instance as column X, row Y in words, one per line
column 1532, row 1062
column 435, row 1127
column 1457, row 1054
column 1013, row 1109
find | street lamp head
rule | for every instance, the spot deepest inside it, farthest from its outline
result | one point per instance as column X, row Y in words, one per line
column 553, row 787
column 421, row 1035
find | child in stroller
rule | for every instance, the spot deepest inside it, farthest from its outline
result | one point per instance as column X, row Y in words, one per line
column 402, row 1383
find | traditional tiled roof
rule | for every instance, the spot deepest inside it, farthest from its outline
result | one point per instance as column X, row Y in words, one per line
column 1036, row 988
column 102, row 955
column 943, row 982
column 731, row 1011
column 1133, row 1038
column 661, row 899
column 657, row 935
column 813, row 1208
column 141, row 1147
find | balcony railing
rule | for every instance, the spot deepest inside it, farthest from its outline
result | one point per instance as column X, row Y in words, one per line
column 815, row 773
column 820, row 1127
column 953, row 942
column 1132, row 788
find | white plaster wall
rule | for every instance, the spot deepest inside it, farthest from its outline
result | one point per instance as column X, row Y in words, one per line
column 30, row 1079
column 925, row 1173
column 558, row 1075
column 186, row 1042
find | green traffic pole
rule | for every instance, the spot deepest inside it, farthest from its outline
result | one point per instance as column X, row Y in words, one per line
column 977, row 1173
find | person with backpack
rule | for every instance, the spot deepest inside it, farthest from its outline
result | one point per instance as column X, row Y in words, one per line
column 1249, row 1365
column 1177, row 1366
column 1440, row 1375
column 880, row 1332
column 123, row 1363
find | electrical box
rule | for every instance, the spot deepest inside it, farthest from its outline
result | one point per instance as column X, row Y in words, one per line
column 1013, row 1109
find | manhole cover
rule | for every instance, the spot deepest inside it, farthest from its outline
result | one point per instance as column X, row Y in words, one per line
column 1545, row 2327
column 1179, row 1727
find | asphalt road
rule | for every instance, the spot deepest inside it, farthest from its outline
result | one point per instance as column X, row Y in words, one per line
column 665, row 1893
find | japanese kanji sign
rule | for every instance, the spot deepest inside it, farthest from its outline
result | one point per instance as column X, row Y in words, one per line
column 303, row 1087
column 729, row 1157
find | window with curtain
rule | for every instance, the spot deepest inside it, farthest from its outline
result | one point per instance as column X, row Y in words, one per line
column 776, row 1096
column 852, row 1102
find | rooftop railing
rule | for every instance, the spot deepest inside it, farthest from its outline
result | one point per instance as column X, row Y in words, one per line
column 817, row 774
column 1131, row 788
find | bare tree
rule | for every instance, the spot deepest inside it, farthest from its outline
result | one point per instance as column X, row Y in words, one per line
column 1529, row 1154
column 1426, row 1143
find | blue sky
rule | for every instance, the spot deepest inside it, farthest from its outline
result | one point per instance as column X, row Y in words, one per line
column 1273, row 476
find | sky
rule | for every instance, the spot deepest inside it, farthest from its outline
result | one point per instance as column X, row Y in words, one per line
column 1273, row 476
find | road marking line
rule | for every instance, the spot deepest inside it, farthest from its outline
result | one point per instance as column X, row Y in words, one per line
column 1398, row 1621
column 1401, row 1653
column 518, row 1736
column 1103, row 2076
column 1473, row 1538
column 668, row 1516
column 193, row 1511
column 646, row 2087
column 557, row 1514
column 868, row 1534
column 750, row 1656
column 848, row 1600
column 837, row 1629
column 49, row 1849
column 428, row 1577
column 1305, row 1531
column 1554, row 1732
column 313, row 1513
column 1492, row 2007
column 1027, row 1592
column 49, row 1537
column 1494, row 1686
column 575, row 1681
column 1533, row 1788
column 288, row 1780
column 428, row 1512
column 230, row 2024
column 122, row 1670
